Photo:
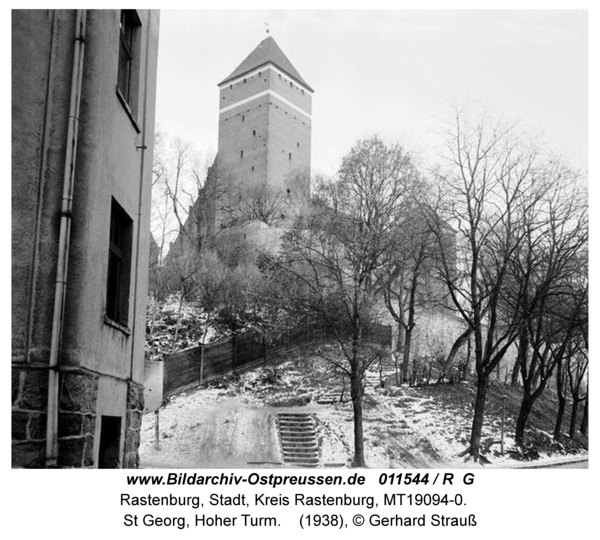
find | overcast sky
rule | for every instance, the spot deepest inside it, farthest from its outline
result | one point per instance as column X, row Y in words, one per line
column 392, row 73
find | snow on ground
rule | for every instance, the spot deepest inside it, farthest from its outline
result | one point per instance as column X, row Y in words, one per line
column 232, row 424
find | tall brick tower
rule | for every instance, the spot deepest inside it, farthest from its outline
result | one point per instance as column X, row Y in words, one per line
column 265, row 125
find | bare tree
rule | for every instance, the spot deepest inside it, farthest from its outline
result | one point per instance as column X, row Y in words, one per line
column 547, row 274
column 487, row 184
column 577, row 371
column 408, row 284
column 336, row 250
column 259, row 203
column 178, row 175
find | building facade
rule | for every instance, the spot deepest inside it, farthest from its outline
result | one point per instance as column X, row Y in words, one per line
column 83, row 99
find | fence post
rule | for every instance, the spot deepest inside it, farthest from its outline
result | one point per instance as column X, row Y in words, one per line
column 165, row 376
column 234, row 352
column 201, row 363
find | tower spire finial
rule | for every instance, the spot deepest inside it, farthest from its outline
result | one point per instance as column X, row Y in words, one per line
column 267, row 29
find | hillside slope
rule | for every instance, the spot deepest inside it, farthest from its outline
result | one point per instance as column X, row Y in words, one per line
column 232, row 423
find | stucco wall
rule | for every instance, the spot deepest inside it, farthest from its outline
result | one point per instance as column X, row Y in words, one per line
column 110, row 162
column 40, row 77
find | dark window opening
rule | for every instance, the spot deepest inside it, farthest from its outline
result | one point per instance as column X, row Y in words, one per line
column 128, row 62
column 252, row 168
column 119, row 264
column 290, row 155
column 297, row 145
column 231, row 87
column 254, row 132
column 244, row 81
column 110, row 442
column 243, row 118
column 241, row 153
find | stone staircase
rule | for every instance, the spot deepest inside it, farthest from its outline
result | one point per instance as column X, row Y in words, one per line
column 298, row 437
column 330, row 397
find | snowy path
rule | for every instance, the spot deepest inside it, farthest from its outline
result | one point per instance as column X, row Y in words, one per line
column 231, row 434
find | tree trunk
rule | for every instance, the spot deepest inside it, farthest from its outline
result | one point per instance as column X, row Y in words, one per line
column 573, row 424
column 562, row 401
column 584, row 421
column 460, row 341
column 465, row 372
column 526, row 405
column 406, row 354
column 476, row 429
column 526, row 402
column 514, row 381
column 356, row 391
column 400, row 340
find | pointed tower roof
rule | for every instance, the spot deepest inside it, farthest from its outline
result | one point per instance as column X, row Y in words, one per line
column 267, row 52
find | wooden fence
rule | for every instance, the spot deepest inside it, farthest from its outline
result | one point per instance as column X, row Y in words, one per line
column 209, row 362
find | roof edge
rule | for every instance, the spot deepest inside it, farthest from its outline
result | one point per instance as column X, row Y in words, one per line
column 241, row 75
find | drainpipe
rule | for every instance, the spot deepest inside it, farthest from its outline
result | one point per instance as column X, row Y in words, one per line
column 64, row 241
column 142, row 147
